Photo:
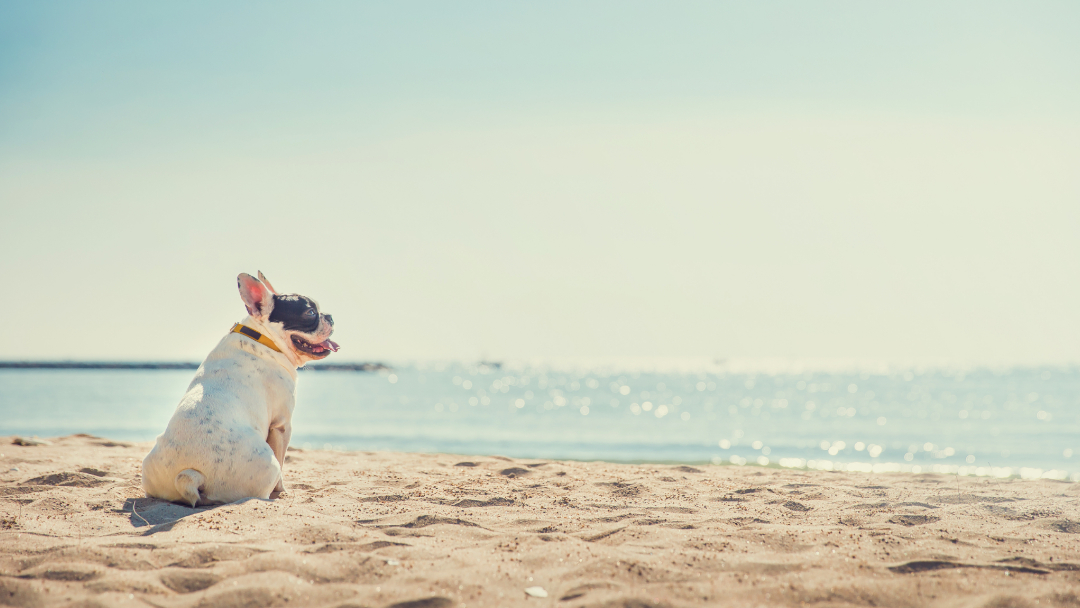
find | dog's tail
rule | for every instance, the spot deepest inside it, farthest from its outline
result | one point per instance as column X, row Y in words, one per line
column 188, row 483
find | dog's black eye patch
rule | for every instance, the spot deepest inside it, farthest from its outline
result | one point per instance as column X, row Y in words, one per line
column 290, row 311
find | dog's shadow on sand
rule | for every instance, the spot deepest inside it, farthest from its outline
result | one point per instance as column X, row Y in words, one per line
column 159, row 515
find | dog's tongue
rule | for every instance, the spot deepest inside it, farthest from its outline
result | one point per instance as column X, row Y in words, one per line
column 330, row 344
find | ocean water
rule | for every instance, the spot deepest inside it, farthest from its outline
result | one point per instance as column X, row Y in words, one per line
column 1023, row 422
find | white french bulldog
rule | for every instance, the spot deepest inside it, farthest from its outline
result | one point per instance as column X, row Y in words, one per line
column 227, row 439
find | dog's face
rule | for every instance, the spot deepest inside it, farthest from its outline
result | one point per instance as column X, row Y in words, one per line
column 294, row 321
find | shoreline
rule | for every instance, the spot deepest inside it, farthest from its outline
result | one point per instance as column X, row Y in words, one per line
column 378, row 529
column 789, row 464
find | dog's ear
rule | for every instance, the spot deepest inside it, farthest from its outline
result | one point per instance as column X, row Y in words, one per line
column 262, row 278
column 258, row 299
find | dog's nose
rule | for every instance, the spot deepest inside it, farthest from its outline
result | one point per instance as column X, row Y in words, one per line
column 330, row 320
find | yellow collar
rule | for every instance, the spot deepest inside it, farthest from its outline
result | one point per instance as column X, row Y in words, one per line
column 254, row 335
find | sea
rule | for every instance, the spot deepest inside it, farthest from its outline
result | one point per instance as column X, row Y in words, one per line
column 1018, row 422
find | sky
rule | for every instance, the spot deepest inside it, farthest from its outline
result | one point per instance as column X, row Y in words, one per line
column 492, row 180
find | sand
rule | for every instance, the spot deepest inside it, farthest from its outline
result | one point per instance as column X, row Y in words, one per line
column 442, row 531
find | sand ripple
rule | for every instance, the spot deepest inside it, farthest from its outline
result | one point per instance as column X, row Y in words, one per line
column 385, row 530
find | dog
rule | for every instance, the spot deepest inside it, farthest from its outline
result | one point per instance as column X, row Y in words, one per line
column 227, row 439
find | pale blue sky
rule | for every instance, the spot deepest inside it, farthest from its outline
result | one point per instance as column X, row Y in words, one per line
column 887, row 181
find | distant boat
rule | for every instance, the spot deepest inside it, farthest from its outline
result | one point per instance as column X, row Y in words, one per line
column 491, row 364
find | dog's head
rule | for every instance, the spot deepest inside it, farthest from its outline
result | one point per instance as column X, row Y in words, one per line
column 293, row 321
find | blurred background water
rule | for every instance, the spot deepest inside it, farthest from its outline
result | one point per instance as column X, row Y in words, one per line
column 974, row 422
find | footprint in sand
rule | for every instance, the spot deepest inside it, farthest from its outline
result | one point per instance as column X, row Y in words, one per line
column 424, row 521
column 469, row 503
column 215, row 553
column 1062, row 525
column 913, row 520
column 390, row 498
column 427, row 602
column 74, row 480
column 189, row 582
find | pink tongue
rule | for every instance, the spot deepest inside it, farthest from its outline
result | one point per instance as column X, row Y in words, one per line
column 330, row 344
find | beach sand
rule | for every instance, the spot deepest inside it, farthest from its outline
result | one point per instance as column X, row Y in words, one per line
column 440, row 531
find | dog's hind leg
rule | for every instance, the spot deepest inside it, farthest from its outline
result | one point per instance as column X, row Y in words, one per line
column 278, row 439
column 188, row 483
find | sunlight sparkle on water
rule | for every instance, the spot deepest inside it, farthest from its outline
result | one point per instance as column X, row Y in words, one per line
column 1020, row 422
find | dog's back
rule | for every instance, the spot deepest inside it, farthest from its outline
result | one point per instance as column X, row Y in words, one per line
column 214, row 449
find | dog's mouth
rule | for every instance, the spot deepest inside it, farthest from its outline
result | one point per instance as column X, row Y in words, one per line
column 318, row 351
